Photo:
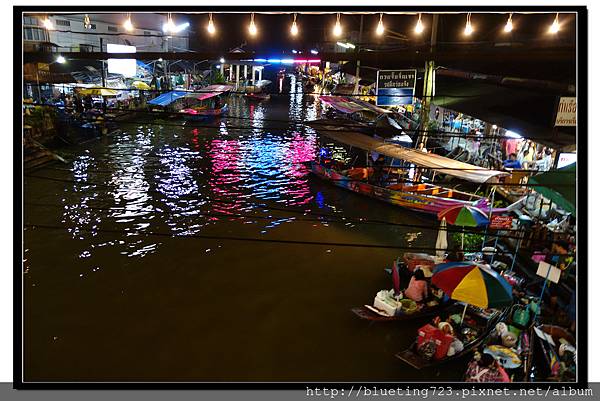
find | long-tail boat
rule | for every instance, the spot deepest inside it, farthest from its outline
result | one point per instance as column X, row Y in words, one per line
column 421, row 197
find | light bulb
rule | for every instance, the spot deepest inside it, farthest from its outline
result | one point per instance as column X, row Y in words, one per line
column 86, row 22
column 380, row 28
column 509, row 25
column 252, row 27
column 419, row 27
column 211, row 26
column 337, row 29
column 555, row 27
column 468, row 26
column 128, row 25
column 294, row 28
column 468, row 29
column 48, row 24
column 61, row 60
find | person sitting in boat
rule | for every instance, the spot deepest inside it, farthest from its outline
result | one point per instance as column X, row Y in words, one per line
column 485, row 369
column 512, row 162
column 217, row 102
column 417, row 287
column 377, row 176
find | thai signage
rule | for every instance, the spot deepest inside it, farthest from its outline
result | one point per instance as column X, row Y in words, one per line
column 566, row 114
column 501, row 222
column 395, row 87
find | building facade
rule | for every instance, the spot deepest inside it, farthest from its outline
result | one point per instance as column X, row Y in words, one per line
column 71, row 35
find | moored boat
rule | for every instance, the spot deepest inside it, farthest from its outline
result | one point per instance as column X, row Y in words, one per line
column 476, row 327
column 389, row 184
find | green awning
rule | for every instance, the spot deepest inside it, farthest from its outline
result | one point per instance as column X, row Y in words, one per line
column 559, row 186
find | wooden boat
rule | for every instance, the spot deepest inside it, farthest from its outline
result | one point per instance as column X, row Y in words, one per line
column 525, row 338
column 257, row 91
column 368, row 312
column 545, row 359
column 192, row 105
column 420, row 197
column 371, row 118
column 198, row 114
column 483, row 323
column 259, row 97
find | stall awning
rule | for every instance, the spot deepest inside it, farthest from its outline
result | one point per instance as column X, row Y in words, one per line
column 167, row 98
column 348, row 105
column 559, row 186
column 211, row 91
column 441, row 164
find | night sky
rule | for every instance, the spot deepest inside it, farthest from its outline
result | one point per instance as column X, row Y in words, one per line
column 274, row 30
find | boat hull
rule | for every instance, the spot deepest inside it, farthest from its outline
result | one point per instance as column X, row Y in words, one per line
column 409, row 200
column 206, row 114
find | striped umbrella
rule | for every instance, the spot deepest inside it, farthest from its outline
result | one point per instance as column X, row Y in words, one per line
column 473, row 283
column 465, row 216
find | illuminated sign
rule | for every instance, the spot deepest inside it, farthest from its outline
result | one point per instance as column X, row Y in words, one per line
column 395, row 87
column 566, row 114
column 125, row 67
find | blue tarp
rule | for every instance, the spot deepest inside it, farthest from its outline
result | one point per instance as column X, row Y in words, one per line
column 167, row 98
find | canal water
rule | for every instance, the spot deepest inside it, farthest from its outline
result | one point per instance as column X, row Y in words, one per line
column 206, row 252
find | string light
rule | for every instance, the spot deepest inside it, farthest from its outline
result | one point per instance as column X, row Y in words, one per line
column 509, row 25
column 380, row 28
column 48, row 24
column 252, row 27
column 87, row 24
column 468, row 26
column 128, row 25
column 419, row 27
column 555, row 27
column 294, row 28
column 337, row 29
column 211, row 25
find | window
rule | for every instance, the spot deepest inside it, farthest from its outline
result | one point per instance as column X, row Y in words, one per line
column 147, row 33
column 92, row 26
column 63, row 22
column 36, row 34
column 30, row 21
column 86, row 48
column 112, row 29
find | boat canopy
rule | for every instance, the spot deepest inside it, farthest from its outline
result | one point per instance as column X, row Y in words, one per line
column 439, row 163
column 167, row 98
column 349, row 105
column 211, row 91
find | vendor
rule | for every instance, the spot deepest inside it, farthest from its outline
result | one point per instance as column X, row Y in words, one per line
column 485, row 369
column 417, row 287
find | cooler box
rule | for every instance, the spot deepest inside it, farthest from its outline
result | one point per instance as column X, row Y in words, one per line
column 384, row 303
column 426, row 333
column 443, row 342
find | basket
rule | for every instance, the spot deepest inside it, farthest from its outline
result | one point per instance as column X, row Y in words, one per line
column 408, row 306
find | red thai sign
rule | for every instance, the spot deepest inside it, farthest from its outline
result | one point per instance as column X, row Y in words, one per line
column 501, row 222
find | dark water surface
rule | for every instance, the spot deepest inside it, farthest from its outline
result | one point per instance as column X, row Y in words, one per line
column 136, row 267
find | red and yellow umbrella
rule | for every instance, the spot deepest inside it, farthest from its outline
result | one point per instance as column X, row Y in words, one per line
column 473, row 283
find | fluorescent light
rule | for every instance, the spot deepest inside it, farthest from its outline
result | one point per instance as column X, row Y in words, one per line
column 180, row 27
column 512, row 134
